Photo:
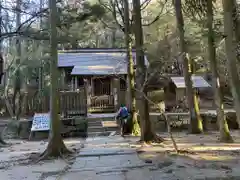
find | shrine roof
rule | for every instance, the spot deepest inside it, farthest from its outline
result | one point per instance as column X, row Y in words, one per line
column 96, row 61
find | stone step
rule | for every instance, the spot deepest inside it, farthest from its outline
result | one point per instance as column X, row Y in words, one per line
column 98, row 123
column 105, row 133
column 95, row 129
column 101, row 119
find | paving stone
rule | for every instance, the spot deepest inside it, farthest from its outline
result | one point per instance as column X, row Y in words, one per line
column 84, row 175
column 52, row 166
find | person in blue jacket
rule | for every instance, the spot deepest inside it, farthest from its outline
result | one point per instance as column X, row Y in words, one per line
column 123, row 116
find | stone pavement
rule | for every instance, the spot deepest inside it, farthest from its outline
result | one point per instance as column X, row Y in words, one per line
column 101, row 158
column 108, row 158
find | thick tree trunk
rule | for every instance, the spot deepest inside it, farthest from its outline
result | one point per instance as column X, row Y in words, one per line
column 18, row 80
column 228, row 7
column 195, row 117
column 236, row 22
column 147, row 133
column 223, row 126
column 56, row 146
column 131, row 76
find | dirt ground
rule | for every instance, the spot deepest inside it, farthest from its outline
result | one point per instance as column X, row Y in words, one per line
column 204, row 157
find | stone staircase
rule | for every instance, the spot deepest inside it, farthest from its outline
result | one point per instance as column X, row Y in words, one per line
column 101, row 126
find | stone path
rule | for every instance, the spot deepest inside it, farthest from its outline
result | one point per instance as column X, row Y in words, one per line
column 106, row 158
column 112, row 158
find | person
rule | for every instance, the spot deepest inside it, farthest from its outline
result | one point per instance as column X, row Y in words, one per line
column 122, row 115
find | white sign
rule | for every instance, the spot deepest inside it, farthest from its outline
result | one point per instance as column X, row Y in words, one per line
column 41, row 122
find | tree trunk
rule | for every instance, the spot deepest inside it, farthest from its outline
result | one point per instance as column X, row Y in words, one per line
column 195, row 117
column 147, row 133
column 40, row 69
column 236, row 22
column 228, row 7
column 223, row 126
column 131, row 76
column 18, row 81
column 114, row 40
column 56, row 146
column 2, row 142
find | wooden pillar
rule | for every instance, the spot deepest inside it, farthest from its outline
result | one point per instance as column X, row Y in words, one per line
column 63, row 78
column 92, row 86
column 116, row 91
column 76, row 83
column 88, row 94
column 72, row 83
column 111, row 86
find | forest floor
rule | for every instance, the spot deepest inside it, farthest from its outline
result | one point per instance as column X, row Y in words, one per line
column 103, row 158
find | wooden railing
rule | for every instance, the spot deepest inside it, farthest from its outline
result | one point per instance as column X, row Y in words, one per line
column 104, row 103
column 70, row 103
column 73, row 103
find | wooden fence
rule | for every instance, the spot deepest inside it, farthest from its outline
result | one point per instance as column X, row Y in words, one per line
column 104, row 103
column 70, row 103
column 74, row 103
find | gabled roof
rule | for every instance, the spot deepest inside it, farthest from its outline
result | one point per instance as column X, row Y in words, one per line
column 198, row 82
column 96, row 61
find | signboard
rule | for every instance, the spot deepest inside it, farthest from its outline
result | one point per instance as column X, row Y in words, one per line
column 41, row 122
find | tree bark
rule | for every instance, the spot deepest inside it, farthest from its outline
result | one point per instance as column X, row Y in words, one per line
column 2, row 142
column 56, row 146
column 223, row 126
column 147, row 134
column 131, row 76
column 236, row 22
column 18, row 81
column 195, row 117
column 228, row 7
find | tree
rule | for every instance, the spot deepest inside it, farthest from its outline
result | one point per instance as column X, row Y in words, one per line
column 18, row 77
column 228, row 9
column 195, row 118
column 223, row 126
column 131, row 74
column 2, row 142
column 56, row 146
column 147, row 134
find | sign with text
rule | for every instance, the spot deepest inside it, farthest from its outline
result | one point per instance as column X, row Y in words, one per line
column 41, row 122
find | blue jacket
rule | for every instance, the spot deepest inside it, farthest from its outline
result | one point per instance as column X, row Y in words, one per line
column 123, row 112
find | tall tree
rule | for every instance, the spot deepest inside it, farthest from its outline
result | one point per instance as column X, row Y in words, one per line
column 56, row 146
column 131, row 75
column 2, row 142
column 223, row 126
column 18, row 79
column 1, row 56
column 228, row 9
column 195, row 117
column 147, row 133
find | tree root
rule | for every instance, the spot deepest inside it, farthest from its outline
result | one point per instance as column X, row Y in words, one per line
column 54, row 150
column 154, row 139
column 2, row 142
column 226, row 139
